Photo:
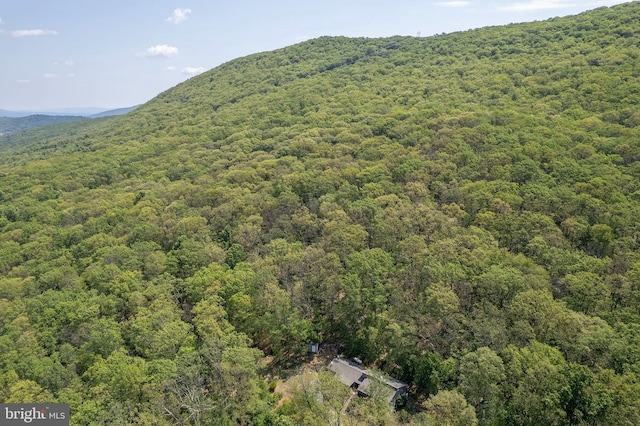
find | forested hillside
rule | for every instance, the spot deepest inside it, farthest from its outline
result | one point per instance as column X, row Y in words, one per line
column 461, row 212
column 13, row 124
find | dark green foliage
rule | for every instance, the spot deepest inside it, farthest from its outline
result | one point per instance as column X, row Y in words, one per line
column 459, row 211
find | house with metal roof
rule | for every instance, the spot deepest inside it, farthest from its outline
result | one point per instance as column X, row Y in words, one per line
column 369, row 383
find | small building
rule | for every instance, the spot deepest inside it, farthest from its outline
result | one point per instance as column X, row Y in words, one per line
column 312, row 347
column 369, row 383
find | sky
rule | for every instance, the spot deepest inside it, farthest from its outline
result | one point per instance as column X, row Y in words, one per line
column 61, row 54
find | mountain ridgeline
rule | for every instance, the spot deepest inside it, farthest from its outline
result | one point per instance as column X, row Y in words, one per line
column 461, row 212
column 11, row 121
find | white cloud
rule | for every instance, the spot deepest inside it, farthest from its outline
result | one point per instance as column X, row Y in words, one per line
column 32, row 33
column 49, row 75
column 1, row 21
column 70, row 75
column 23, row 81
column 160, row 50
column 179, row 16
column 537, row 5
column 453, row 3
column 193, row 70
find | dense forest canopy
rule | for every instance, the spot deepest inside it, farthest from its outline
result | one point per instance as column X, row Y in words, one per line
column 461, row 212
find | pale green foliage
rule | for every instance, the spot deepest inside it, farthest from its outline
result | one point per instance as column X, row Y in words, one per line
column 449, row 408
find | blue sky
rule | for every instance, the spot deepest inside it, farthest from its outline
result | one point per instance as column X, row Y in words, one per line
column 58, row 54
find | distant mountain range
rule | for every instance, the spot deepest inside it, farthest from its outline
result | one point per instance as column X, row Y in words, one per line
column 90, row 112
column 11, row 121
column 119, row 111
column 13, row 124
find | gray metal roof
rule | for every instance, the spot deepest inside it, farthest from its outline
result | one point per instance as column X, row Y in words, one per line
column 348, row 372
column 352, row 374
